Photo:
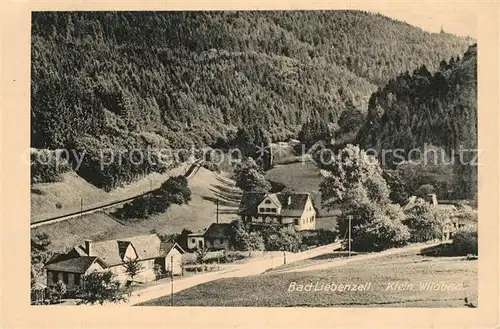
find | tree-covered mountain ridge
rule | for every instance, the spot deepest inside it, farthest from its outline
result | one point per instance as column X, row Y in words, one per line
column 176, row 78
column 419, row 109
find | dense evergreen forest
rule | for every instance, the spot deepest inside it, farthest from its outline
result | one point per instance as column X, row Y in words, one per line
column 424, row 108
column 177, row 77
column 168, row 79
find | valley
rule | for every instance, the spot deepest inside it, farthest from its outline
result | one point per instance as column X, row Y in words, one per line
column 143, row 105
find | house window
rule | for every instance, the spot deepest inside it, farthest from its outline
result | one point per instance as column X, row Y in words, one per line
column 77, row 279
column 65, row 277
column 193, row 240
column 273, row 209
column 296, row 221
column 267, row 201
column 55, row 277
column 268, row 209
column 262, row 209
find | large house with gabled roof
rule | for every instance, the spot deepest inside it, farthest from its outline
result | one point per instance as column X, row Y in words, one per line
column 292, row 210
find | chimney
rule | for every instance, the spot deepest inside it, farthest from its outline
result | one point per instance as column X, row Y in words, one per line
column 88, row 247
column 289, row 200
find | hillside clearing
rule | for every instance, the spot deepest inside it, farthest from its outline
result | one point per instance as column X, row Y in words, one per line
column 206, row 187
column 69, row 192
column 409, row 269
column 306, row 176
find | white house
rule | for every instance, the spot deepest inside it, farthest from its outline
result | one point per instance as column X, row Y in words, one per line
column 288, row 210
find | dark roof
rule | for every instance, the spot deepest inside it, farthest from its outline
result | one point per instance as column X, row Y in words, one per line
column 166, row 247
column 218, row 230
column 250, row 201
column 296, row 206
column 72, row 265
column 56, row 257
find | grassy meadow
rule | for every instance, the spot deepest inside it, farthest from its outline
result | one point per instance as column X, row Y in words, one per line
column 301, row 176
column 383, row 274
column 206, row 187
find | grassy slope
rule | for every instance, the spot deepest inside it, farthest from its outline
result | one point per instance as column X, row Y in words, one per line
column 303, row 177
column 198, row 214
column 306, row 176
column 72, row 188
column 271, row 290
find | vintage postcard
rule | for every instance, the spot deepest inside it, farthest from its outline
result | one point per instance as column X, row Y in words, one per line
column 298, row 165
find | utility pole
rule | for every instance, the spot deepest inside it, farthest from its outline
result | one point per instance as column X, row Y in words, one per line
column 171, row 280
column 350, row 221
column 217, row 214
column 284, row 257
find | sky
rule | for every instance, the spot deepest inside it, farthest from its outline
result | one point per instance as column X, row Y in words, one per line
column 456, row 18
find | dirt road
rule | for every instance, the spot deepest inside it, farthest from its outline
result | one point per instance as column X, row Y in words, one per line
column 253, row 267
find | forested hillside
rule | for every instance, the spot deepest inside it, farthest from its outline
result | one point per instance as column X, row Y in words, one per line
column 439, row 109
column 172, row 78
column 122, row 80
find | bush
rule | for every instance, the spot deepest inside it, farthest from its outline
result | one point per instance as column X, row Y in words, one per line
column 318, row 237
column 375, row 227
column 242, row 239
column 281, row 239
column 380, row 234
column 424, row 222
column 465, row 242
column 424, row 190
column 231, row 256
column 173, row 191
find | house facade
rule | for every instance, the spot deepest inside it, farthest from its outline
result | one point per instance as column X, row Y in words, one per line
column 71, row 270
column 111, row 255
column 195, row 241
column 216, row 237
column 172, row 262
column 291, row 210
column 451, row 224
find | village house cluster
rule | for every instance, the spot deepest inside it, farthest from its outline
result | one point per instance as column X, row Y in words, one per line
column 258, row 209
column 290, row 210
column 111, row 255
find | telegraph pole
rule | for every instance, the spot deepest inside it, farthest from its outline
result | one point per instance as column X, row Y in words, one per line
column 217, row 212
column 171, row 280
column 350, row 220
